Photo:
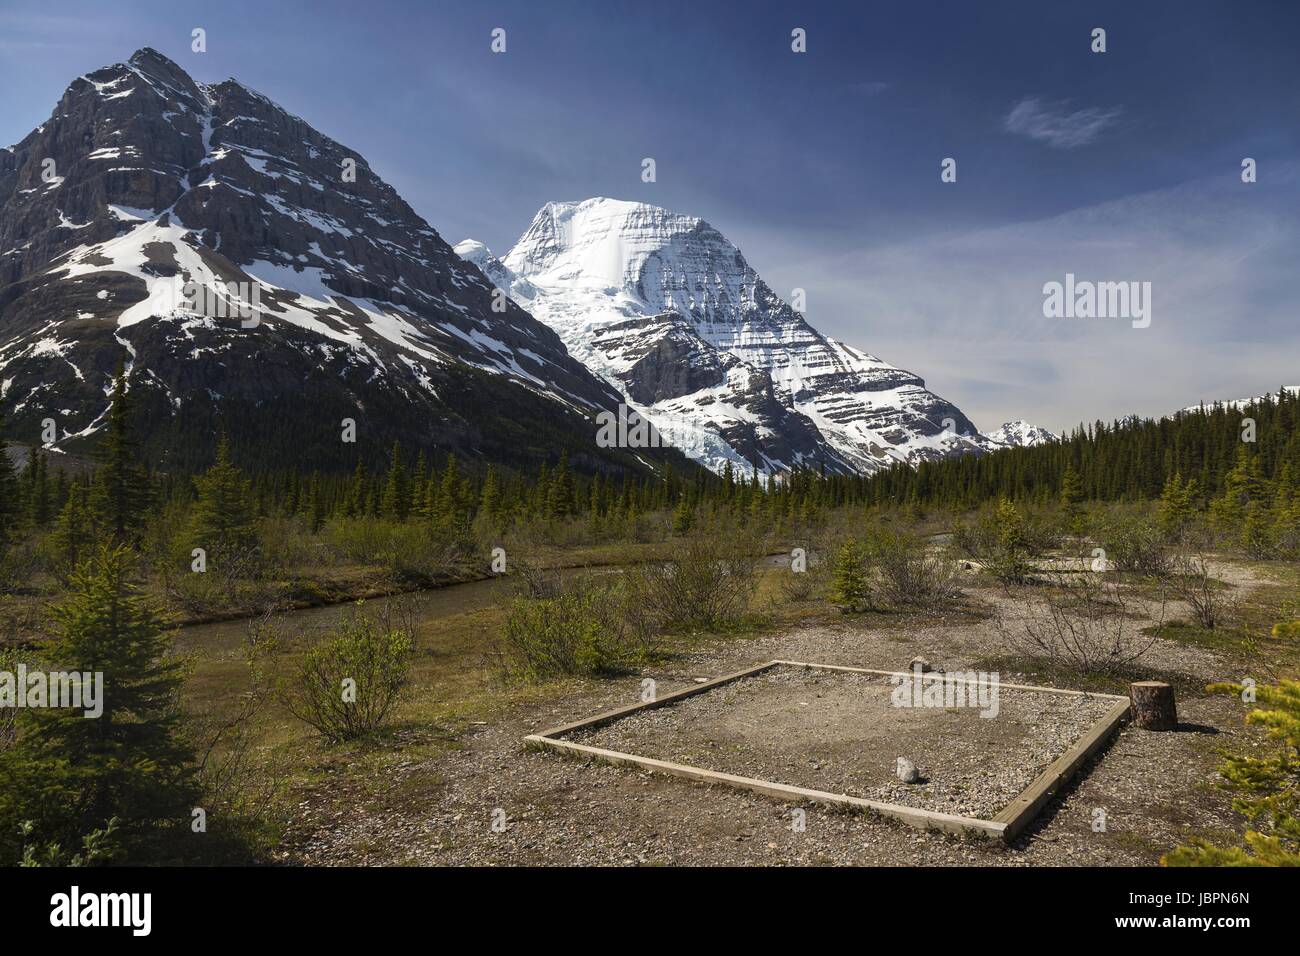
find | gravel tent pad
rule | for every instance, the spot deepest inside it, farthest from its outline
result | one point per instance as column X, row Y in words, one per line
column 833, row 735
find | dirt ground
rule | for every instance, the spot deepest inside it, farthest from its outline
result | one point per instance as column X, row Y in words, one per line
column 841, row 733
column 493, row 802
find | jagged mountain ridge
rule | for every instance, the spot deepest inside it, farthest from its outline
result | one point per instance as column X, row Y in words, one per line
column 664, row 307
column 1020, row 433
column 364, row 311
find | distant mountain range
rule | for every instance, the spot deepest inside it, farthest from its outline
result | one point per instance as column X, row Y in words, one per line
column 254, row 274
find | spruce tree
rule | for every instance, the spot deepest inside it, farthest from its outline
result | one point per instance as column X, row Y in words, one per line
column 447, row 509
column 1267, row 784
column 315, row 505
column 73, row 534
column 69, row 774
column 489, row 506
column 1286, row 514
column 122, row 494
column 397, row 492
column 560, row 494
column 849, row 585
column 683, row 518
column 222, row 520
column 1177, row 506
column 354, row 500
column 1241, row 488
column 39, row 506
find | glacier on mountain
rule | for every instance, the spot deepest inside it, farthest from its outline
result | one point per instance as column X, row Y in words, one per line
column 667, row 310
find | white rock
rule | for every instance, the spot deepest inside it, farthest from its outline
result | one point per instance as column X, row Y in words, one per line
column 907, row 771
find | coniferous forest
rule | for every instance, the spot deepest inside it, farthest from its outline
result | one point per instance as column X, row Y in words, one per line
column 1130, row 460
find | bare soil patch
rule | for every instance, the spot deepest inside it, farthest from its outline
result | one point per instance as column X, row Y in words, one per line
column 842, row 733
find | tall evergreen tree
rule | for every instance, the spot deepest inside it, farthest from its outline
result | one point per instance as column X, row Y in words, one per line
column 39, row 504
column 222, row 520
column 1177, row 505
column 354, row 499
column 490, row 500
column 560, row 495
column 73, row 534
column 122, row 494
column 1072, row 499
column 397, row 491
column 1241, row 490
column 448, row 512
column 69, row 774
column 315, row 504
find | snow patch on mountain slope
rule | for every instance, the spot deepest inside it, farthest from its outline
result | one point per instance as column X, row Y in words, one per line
column 1020, row 433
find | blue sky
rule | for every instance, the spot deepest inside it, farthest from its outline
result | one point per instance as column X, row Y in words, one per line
column 824, row 167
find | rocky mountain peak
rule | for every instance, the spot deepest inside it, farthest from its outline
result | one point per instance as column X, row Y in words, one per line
column 1020, row 433
column 667, row 309
column 152, row 65
column 322, row 293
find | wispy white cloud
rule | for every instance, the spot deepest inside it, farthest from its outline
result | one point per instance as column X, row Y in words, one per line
column 1055, row 124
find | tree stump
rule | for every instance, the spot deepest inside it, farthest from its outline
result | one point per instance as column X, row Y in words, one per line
column 1153, row 705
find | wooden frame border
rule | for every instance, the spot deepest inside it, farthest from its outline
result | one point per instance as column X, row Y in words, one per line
column 1006, row 825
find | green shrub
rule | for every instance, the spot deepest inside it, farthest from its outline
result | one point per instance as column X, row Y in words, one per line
column 9, row 660
column 909, row 574
column 975, row 537
column 345, row 686
column 1210, row 604
column 416, row 552
column 811, row 581
column 1135, row 543
column 286, row 543
column 587, row 630
column 98, row 847
column 707, row 583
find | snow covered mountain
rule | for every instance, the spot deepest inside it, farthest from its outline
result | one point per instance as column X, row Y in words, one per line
column 249, row 269
column 666, row 309
column 1020, row 433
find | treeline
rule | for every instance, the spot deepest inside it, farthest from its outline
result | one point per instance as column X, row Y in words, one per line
column 1128, row 460
column 446, row 491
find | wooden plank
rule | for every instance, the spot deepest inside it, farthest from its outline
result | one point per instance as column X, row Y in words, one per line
column 611, row 715
column 1020, row 811
column 1006, row 825
column 939, row 675
column 912, row 816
